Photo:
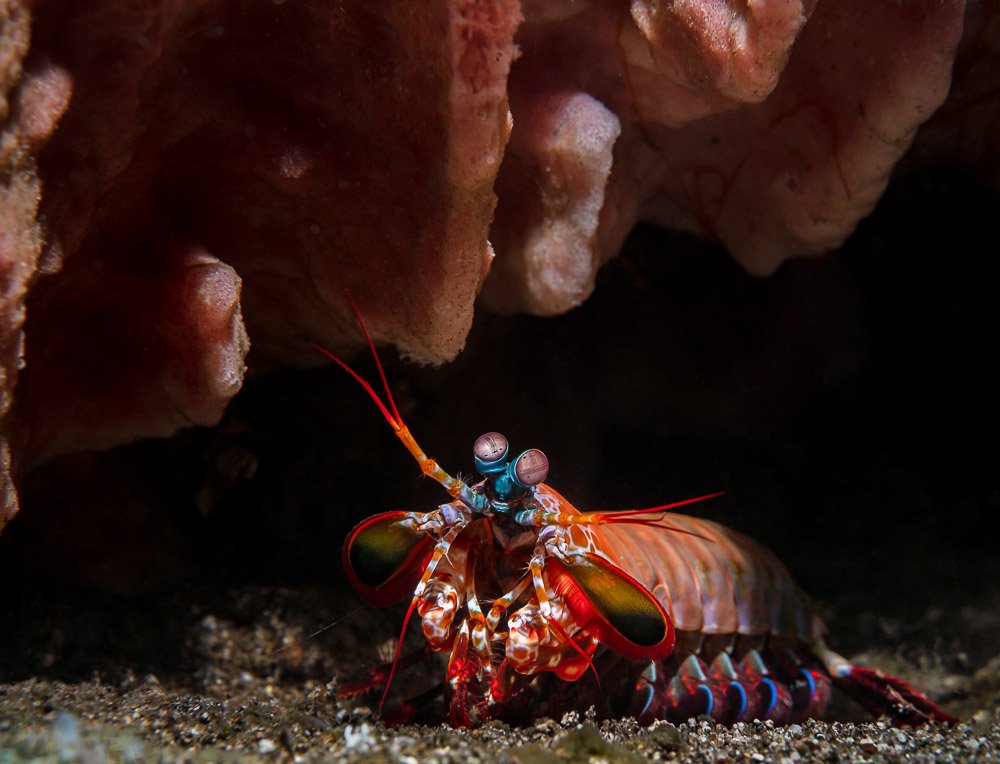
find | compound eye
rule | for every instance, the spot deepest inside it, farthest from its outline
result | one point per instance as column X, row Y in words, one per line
column 530, row 468
column 489, row 449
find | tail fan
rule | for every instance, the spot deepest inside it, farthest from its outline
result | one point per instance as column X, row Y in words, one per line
column 884, row 694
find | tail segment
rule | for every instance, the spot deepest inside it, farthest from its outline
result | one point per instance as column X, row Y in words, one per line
column 880, row 693
column 884, row 694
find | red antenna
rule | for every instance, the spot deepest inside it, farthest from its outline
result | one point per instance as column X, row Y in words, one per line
column 428, row 466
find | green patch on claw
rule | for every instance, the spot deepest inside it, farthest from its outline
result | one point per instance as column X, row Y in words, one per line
column 380, row 549
column 629, row 608
column 385, row 559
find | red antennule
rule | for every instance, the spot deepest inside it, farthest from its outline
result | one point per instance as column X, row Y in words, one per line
column 394, row 419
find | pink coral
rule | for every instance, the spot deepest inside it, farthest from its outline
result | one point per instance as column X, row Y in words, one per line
column 772, row 127
column 222, row 162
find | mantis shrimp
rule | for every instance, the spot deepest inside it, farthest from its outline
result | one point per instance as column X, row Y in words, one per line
column 669, row 616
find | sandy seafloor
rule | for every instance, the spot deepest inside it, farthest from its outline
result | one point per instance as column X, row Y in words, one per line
column 226, row 695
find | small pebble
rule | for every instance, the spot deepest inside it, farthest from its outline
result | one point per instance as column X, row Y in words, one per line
column 264, row 745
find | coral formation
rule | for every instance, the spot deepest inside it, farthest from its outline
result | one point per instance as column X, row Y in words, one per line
column 771, row 126
column 228, row 162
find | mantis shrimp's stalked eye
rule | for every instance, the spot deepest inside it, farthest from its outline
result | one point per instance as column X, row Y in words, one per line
column 490, row 452
column 530, row 468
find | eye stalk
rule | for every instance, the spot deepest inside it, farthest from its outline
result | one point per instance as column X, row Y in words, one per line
column 490, row 453
column 530, row 468
column 507, row 482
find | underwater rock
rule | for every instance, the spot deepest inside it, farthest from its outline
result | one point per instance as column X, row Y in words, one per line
column 772, row 127
column 232, row 162
column 182, row 178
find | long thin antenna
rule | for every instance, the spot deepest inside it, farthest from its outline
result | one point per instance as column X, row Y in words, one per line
column 316, row 633
column 428, row 466
column 662, row 507
column 639, row 516
column 378, row 363
column 399, row 647
column 394, row 423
